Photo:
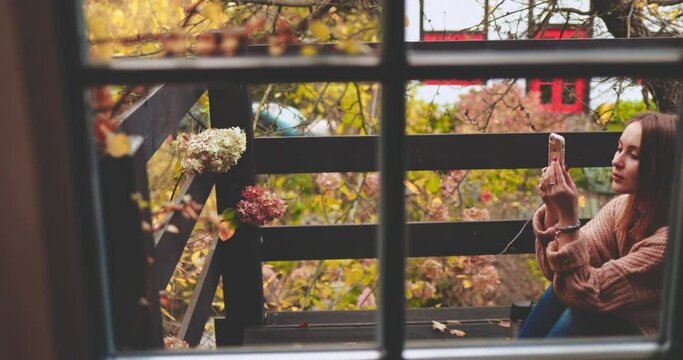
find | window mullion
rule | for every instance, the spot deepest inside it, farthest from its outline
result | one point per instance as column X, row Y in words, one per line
column 391, row 236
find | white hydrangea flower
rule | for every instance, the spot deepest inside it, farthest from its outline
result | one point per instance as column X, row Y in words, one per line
column 213, row 150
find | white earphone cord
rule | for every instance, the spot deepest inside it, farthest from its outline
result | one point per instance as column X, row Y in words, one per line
column 495, row 257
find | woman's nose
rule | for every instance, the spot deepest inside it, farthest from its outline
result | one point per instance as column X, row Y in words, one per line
column 616, row 161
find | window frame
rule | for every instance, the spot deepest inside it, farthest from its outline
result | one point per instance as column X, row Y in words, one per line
column 392, row 69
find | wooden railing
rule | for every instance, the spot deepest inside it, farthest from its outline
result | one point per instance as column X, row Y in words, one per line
column 141, row 264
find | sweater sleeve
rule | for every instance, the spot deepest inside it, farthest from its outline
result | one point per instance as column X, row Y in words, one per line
column 613, row 284
column 596, row 243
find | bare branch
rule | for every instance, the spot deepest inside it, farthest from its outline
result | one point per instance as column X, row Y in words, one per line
column 288, row 3
column 575, row 11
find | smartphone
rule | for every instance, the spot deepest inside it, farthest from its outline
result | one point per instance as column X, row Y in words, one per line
column 555, row 148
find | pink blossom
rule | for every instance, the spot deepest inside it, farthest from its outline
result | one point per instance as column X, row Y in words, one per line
column 437, row 211
column 366, row 299
column 475, row 214
column 328, row 182
column 450, row 182
column 371, row 185
column 432, row 269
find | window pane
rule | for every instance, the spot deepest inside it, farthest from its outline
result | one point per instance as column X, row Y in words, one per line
column 185, row 28
column 472, row 271
column 316, row 109
column 313, row 207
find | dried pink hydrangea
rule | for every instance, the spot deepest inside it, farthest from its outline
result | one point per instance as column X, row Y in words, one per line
column 259, row 206
column 486, row 278
column 422, row 290
column 211, row 151
column 371, row 185
column 449, row 184
column 475, row 214
column 174, row 342
column 328, row 182
column 366, row 299
column 432, row 269
column 437, row 211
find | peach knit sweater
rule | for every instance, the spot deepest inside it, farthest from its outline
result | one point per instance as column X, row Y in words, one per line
column 604, row 269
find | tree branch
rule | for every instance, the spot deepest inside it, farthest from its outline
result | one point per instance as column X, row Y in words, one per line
column 665, row 2
column 289, row 3
column 575, row 11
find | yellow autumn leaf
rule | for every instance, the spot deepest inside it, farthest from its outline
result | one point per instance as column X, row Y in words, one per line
column 466, row 284
column 167, row 314
column 98, row 29
column 117, row 145
column 320, row 30
column 101, row 51
column 308, row 50
column 195, row 256
column 582, row 201
column 604, row 111
column 213, row 11
column 411, row 187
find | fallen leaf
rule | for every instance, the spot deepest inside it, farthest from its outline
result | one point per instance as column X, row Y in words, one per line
column 303, row 325
column 172, row 229
column 437, row 326
column 458, row 333
column 117, row 145
column 504, row 323
column 225, row 230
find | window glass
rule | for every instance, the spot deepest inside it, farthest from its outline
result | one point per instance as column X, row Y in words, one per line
column 472, row 270
column 213, row 28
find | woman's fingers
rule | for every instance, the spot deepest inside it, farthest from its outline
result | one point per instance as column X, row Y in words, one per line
column 558, row 175
column 568, row 178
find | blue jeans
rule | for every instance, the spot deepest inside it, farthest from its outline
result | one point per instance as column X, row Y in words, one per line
column 551, row 318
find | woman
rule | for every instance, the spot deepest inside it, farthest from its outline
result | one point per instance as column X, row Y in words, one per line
column 606, row 276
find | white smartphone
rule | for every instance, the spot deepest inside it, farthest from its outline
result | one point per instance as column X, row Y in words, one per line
column 555, row 148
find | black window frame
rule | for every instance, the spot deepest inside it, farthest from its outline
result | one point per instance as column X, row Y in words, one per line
column 393, row 68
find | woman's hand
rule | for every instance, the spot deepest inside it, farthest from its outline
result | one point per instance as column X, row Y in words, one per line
column 551, row 215
column 559, row 194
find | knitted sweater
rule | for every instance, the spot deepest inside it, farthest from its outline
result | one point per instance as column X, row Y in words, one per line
column 605, row 270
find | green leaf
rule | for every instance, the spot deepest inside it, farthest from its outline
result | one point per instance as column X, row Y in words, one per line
column 228, row 214
column 433, row 184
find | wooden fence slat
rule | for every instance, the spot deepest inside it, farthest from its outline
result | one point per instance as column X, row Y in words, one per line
column 498, row 45
column 169, row 245
column 317, row 242
column 413, row 315
column 134, row 295
column 240, row 258
column 158, row 114
column 364, row 333
column 314, row 154
column 192, row 328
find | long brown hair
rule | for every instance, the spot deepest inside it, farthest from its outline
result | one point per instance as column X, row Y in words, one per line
column 648, row 208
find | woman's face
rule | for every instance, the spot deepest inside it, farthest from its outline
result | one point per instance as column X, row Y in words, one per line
column 626, row 160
